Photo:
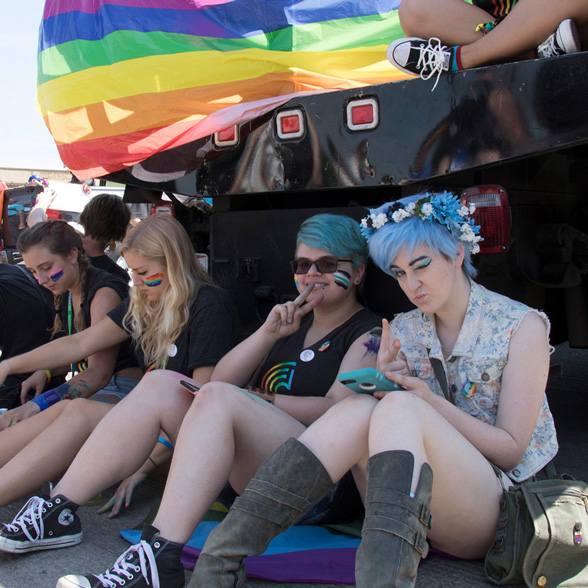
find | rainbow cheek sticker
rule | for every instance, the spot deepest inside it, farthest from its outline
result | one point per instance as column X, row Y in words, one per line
column 154, row 280
column 468, row 389
column 56, row 275
column 296, row 280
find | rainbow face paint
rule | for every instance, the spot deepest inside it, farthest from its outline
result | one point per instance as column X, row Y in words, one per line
column 296, row 280
column 342, row 279
column 56, row 275
column 154, row 280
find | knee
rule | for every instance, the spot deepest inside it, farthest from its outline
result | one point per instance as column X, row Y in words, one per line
column 411, row 14
column 82, row 409
column 213, row 395
column 402, row 407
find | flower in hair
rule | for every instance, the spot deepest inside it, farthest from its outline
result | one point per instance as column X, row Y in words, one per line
column 444, row 208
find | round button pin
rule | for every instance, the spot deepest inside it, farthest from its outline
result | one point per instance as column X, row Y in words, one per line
column 307, row 355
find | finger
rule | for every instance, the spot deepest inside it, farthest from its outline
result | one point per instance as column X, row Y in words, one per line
column 385, row 342
column 299, row 301
column 106, row 507
column 408, row 382
column 395, row 349
column 304, row 310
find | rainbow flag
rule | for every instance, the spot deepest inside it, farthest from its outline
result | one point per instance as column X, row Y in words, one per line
column 121, row 80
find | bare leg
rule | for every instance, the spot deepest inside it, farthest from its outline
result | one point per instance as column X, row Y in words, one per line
column 466, row 491
column 226, row 434
column 528, row 24
column 47, row 456
column 157, row 403
column 453, row 21
column 13, row 439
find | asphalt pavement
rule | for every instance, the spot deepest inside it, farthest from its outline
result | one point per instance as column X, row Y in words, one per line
column 102, row 543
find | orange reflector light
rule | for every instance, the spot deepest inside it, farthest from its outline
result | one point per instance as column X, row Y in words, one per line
column 492, row 215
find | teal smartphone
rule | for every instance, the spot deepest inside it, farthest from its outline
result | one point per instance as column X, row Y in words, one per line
column 368, row 381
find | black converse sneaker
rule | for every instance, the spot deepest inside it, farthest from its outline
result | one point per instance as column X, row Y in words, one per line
column 564, row 40
column 421, row 57
column 153, row 563
column 42, row 523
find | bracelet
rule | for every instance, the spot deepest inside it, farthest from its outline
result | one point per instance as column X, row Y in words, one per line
column 51, row 397
column 48, row 374
column 149, row 458
column 165, row 442
column 266, row 395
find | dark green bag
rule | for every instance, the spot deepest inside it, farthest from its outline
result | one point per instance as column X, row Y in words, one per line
column 542, row 536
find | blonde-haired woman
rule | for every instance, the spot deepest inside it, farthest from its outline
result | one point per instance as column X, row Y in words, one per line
column 177, row 319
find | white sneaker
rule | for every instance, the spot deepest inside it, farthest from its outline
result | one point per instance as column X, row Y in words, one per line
column 564, row 40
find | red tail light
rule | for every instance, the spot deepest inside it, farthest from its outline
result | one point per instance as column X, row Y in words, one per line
column 162, row 207
column 53, row 214
column 492, row 215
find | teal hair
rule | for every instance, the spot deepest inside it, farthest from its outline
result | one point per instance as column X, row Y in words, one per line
column 386, row 242
column 339, row 235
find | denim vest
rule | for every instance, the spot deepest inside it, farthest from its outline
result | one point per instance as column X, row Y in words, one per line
column 474, row 369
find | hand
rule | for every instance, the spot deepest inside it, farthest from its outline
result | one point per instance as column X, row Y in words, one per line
column 4, row 371
column 284, row 319
column 411, row 384
column 387, row 360
column 16, row 415
column 36, row 382
column 123, row 493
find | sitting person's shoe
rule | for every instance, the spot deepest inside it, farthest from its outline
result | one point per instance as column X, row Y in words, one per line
column 564, row 40
column 42, row 523
column 154, row 562
column 421, row 57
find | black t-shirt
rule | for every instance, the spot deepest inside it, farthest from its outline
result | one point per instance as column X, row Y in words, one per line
column 104, row 262
column 211, row 331
column 96, row 279
column 292, row 369
column 26, row 315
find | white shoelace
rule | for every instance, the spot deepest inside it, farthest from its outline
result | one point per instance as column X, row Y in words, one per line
column 548, row 48
column 112, row 578
column 432, row 58
column 30, row 515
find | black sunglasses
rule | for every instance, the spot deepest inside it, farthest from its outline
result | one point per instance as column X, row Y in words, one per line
column 324, row 265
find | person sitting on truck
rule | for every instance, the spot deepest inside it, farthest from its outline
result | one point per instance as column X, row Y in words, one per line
column 292, row 362
column 469, row 416
column 452, row 35
column 175, row 319
column 105, row 220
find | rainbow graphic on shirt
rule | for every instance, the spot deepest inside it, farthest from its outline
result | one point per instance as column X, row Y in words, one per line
column 119, row 81
column 279, row 378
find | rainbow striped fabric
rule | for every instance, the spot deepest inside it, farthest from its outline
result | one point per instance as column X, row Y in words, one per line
column 121, row 80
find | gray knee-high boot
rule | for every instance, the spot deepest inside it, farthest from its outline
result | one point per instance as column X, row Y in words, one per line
column 286, row 486
column 393, row 538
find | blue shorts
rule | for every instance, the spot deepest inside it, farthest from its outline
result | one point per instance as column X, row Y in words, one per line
column 118, row 386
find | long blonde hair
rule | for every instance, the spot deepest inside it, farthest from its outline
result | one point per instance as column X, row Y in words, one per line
column 156, row 325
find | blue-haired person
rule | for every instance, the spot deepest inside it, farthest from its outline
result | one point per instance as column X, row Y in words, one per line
column 431, row 459
column 264, row 391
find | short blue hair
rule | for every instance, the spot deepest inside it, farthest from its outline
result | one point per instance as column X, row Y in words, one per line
column 339, row 235
column 387, row 241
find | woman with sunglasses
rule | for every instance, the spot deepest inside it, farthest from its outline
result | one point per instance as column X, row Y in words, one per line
column 226, row 432
column 175, row 319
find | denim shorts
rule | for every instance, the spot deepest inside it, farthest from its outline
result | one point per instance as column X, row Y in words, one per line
column 118, row 386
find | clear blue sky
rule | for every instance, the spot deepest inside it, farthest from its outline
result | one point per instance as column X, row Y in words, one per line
column 24, row 138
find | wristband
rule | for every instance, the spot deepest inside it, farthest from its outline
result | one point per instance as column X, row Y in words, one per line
column 165, row 442
column 51, row 397
column 48, row 373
